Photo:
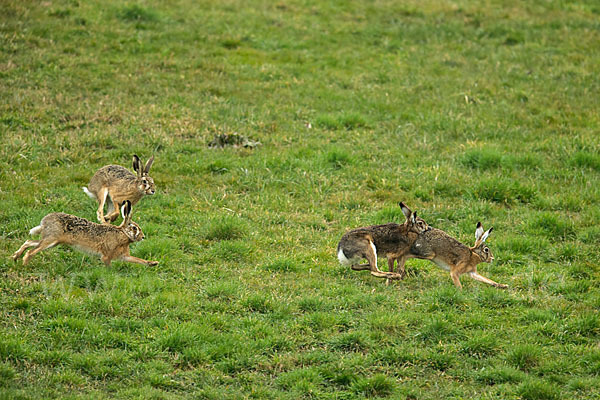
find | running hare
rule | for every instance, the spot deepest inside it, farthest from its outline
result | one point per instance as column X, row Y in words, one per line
column 118, row 184
column 451, row 255
column 392, row 241
column 108, row 241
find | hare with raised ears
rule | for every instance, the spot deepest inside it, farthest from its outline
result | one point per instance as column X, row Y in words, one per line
column 451, row 255
column 110, row 242
column 117, row 184
column 392, row 241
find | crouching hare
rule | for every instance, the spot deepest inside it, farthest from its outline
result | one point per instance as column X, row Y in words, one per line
column 449, row 254
column 108, row 241
column 117, row 184
column 392, row 241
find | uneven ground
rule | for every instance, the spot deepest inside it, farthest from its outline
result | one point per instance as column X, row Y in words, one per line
column 467, row 112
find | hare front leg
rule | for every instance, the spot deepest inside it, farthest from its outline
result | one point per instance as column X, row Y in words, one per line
column 137, row 260
column 483, row 279
column 391, row 263
column 454, row 275
column 401, row 261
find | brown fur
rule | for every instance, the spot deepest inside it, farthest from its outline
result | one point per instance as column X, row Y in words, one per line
column 450, row 254
column 119, row 184
column 109, row 241
column 391, row 241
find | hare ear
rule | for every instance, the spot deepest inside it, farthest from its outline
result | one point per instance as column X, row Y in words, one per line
column 486, row 234
column 126, row 211
column 148, row 165
column 478, row 231
column 413, row 217
column 405, row 210
column 137, row 165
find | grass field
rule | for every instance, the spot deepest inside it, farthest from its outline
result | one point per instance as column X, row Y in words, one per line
column 466, row 111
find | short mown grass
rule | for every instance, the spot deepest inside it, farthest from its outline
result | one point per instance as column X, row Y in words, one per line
column 465, row 111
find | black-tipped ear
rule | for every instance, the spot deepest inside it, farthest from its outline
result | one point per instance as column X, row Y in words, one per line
column 125, row 209
column 486, row 234
column 478, row 231
column 137, row 164
column 490, row 230
column 405, row 210
column 148, row 165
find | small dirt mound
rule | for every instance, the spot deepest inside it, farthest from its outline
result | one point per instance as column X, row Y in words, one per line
column 234, row 139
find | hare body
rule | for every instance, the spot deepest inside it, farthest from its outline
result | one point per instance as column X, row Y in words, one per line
column 107, row 241
column 392, row 241
column 453, row 256
column 114, row 184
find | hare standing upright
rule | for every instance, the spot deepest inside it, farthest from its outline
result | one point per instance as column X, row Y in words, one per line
column 451, row 255
column 391, row 240
column 108, row 241
column 118, row 184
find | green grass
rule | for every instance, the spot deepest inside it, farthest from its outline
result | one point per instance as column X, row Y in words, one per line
column 466, row 111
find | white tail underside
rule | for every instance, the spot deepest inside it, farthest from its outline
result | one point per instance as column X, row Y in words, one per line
column 92, row 195
column 342, row 258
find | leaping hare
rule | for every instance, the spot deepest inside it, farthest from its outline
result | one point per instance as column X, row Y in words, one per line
column 451, row 255
column 392, row 241
column 118, row 184
column 108, row 241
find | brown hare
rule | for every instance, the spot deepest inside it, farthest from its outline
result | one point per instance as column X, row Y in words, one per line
column 117, row 184
column 108, row 241
column 392, row 241
column 451, row 255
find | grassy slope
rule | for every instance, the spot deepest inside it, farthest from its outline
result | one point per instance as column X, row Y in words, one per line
column 464, row 111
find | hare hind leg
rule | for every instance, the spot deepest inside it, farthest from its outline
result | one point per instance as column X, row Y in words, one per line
column 42, row 245
column 102, row 195
column 112, row 210
column 371, row 256
column 26, row 245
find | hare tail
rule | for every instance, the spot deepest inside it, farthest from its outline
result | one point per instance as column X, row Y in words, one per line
column 92, row 195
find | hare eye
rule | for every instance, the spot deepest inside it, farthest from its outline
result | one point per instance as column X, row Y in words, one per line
column 486, row 250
